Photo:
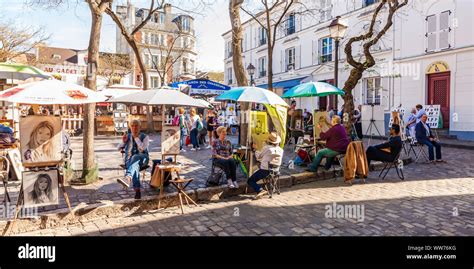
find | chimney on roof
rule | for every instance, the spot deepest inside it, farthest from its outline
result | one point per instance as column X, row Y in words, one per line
column 167, row 8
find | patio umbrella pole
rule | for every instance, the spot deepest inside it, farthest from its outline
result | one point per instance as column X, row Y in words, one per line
column 162, row 128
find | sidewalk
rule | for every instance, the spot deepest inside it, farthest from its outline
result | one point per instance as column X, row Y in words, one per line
column 108, row 192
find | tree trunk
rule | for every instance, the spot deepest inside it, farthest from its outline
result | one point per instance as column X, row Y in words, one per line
column 270, row 46
column 349, row 85
column 270, row 68
column 239, row 68
column 90, row 170
column 149, row 115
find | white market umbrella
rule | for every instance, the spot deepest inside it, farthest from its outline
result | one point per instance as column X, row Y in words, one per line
column 253, row 95
column 51, row 92
column 114, row 93
column 206, row 103
column 161, row 96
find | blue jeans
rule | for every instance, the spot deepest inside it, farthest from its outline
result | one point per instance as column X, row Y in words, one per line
column 182, row 139
column 258, row 175
column 133, row 168
column 328, row 153
column 430, row 145
column 194, row 140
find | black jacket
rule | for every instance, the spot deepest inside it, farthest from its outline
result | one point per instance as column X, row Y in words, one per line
column 395, row 145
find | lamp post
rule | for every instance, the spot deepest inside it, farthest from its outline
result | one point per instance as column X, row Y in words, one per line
column 251, row 71
column 337, row 30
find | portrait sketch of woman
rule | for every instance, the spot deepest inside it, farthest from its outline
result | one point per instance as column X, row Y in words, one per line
column 40, row 188
column 40, row 139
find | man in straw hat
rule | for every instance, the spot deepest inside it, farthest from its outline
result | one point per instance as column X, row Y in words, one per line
column 271, row 154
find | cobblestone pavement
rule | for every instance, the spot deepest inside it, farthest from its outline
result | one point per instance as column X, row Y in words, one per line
column 435, row 199
column 197, row 165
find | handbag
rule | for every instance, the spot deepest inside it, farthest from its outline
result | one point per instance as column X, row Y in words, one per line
column 214, row 179
column 188, row 140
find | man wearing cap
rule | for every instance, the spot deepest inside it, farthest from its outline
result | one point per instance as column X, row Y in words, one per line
column 270, row 155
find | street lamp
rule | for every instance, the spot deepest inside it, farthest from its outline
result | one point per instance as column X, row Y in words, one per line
column 337, row 30
column 251, row 71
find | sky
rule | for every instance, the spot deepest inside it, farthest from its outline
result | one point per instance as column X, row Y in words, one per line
column 69, row 27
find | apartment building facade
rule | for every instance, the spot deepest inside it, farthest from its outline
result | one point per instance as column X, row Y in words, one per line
column 427, row 56
column 166, row 36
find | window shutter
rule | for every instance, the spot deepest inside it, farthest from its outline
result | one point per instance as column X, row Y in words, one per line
column 431, row 33
column 255, row 39
column 444, row 30
column 298, row 57
column 314, row 46
column 282, row 60
column 384, row 93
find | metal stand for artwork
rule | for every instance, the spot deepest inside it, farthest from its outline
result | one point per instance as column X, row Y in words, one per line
column 21, row 197
column 4, row 175
column 371, row 125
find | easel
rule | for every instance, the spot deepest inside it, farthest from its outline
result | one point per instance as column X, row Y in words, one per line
column 372, row 124
column 4, row 176
column 44, row 166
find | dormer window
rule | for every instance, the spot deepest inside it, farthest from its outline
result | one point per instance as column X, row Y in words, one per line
column 56, row 57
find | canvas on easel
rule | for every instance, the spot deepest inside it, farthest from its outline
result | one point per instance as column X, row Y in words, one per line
column 395, row 118
column 14, row 156
column 321, row 118
column 40, row 139
column 40, row 188
column 170, row 142
column 433, row 113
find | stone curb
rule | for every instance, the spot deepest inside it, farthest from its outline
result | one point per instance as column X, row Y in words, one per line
column 109, row 209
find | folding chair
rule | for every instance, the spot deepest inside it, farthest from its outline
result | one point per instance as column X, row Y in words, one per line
column 271, row 182
column 340, row 160
column 142, row 169
column 216, row 169
column 397, row 163
column 411, row 142
column 421, row 152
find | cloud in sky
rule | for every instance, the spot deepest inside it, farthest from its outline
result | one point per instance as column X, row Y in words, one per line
column 70, row 27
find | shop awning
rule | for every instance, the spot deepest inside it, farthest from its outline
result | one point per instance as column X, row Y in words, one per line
column 285, row 84
column 202, row 86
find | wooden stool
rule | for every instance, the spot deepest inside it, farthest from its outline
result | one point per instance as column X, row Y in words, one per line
column 162, row 168
column 181, row 184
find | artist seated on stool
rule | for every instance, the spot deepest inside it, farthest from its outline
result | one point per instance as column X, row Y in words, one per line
column 425, row 137
column 336, row 143
column 272, row 154
column 222, row 156
column 136, row 156
column 386, row 152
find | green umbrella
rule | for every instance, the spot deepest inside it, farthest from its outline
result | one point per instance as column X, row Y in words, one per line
column 312, row 89
column 20, row 71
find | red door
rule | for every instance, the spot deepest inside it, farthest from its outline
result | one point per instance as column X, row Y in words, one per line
column 438, row 93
